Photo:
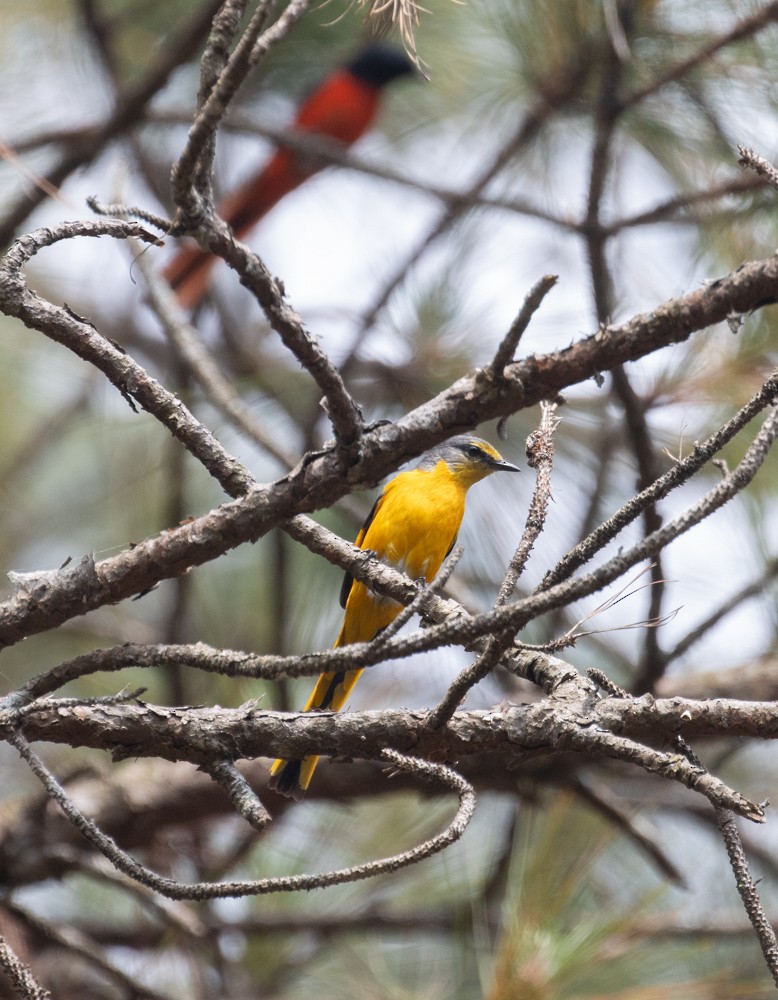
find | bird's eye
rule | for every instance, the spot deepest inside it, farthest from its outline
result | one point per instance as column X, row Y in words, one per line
column 474, row 451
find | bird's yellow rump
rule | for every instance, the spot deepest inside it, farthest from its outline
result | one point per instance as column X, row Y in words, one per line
column 413, row 526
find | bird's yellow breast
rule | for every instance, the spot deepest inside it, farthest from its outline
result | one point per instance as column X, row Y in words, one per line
column 420, row 515
column 415, row 523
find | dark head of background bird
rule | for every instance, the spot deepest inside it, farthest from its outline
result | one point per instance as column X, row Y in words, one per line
column 379, row 64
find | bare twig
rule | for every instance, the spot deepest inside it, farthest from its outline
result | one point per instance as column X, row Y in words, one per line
column 193, row 165
column 540, row 457
column 667, row 209
column 540, row 453
column 443, row 712
column 215, row 58
column 80, row 336
column 680, row 473
column 344, row 414
column 506, row 351
column 434, row 773
column 44, row 436
column 672, row 766
column 321, row 151
column 747, row 888
column 650, row 667
column 634, row 827
column 10, row 155
column 426, row 593
column 239, row 792
column 172, row 914
column 556, row 92
column 129, row 212
column 757, row 163
column 21, row 977
column 204, row 366
column 608, row 111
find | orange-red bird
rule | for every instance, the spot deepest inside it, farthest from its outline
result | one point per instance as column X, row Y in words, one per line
column 341, row 108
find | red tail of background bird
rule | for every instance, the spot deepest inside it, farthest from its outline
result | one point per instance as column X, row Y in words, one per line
column 341, row 108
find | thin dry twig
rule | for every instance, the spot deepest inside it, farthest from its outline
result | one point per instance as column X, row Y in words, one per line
column 632, row 825
column 22, row 979
column 608, row 112
column 172, row 889
column 192, row 169
column 425, row 595
column 672, row 766
column 625, row 592
column 746, row 886
column 239, row 792
column 343, row 412
column 761, row 166
column 321, row 151
column 540, row 454
column 540, row 457
column 756, row 588
column 213, row 62
column 507, row 350
column 203, row 366
column 30, row 175
column 117, row 211
column 683, row 470
column 555, row 95
column 667, row 209
column 80, row 336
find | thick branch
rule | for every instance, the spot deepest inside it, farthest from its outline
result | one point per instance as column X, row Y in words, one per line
column 250, row 730
column 606, row 727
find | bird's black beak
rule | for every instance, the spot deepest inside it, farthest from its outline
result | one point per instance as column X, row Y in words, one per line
column 503, row 466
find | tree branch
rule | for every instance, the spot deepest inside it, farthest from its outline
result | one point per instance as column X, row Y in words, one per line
column 171, row 889
column 571, row 720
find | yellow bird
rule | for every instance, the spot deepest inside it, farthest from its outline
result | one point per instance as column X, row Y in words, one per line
column 413, row 526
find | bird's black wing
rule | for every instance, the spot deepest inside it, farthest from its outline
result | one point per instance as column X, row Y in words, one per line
column 348, row 579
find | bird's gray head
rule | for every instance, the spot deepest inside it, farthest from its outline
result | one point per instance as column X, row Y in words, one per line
column 470, row 458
